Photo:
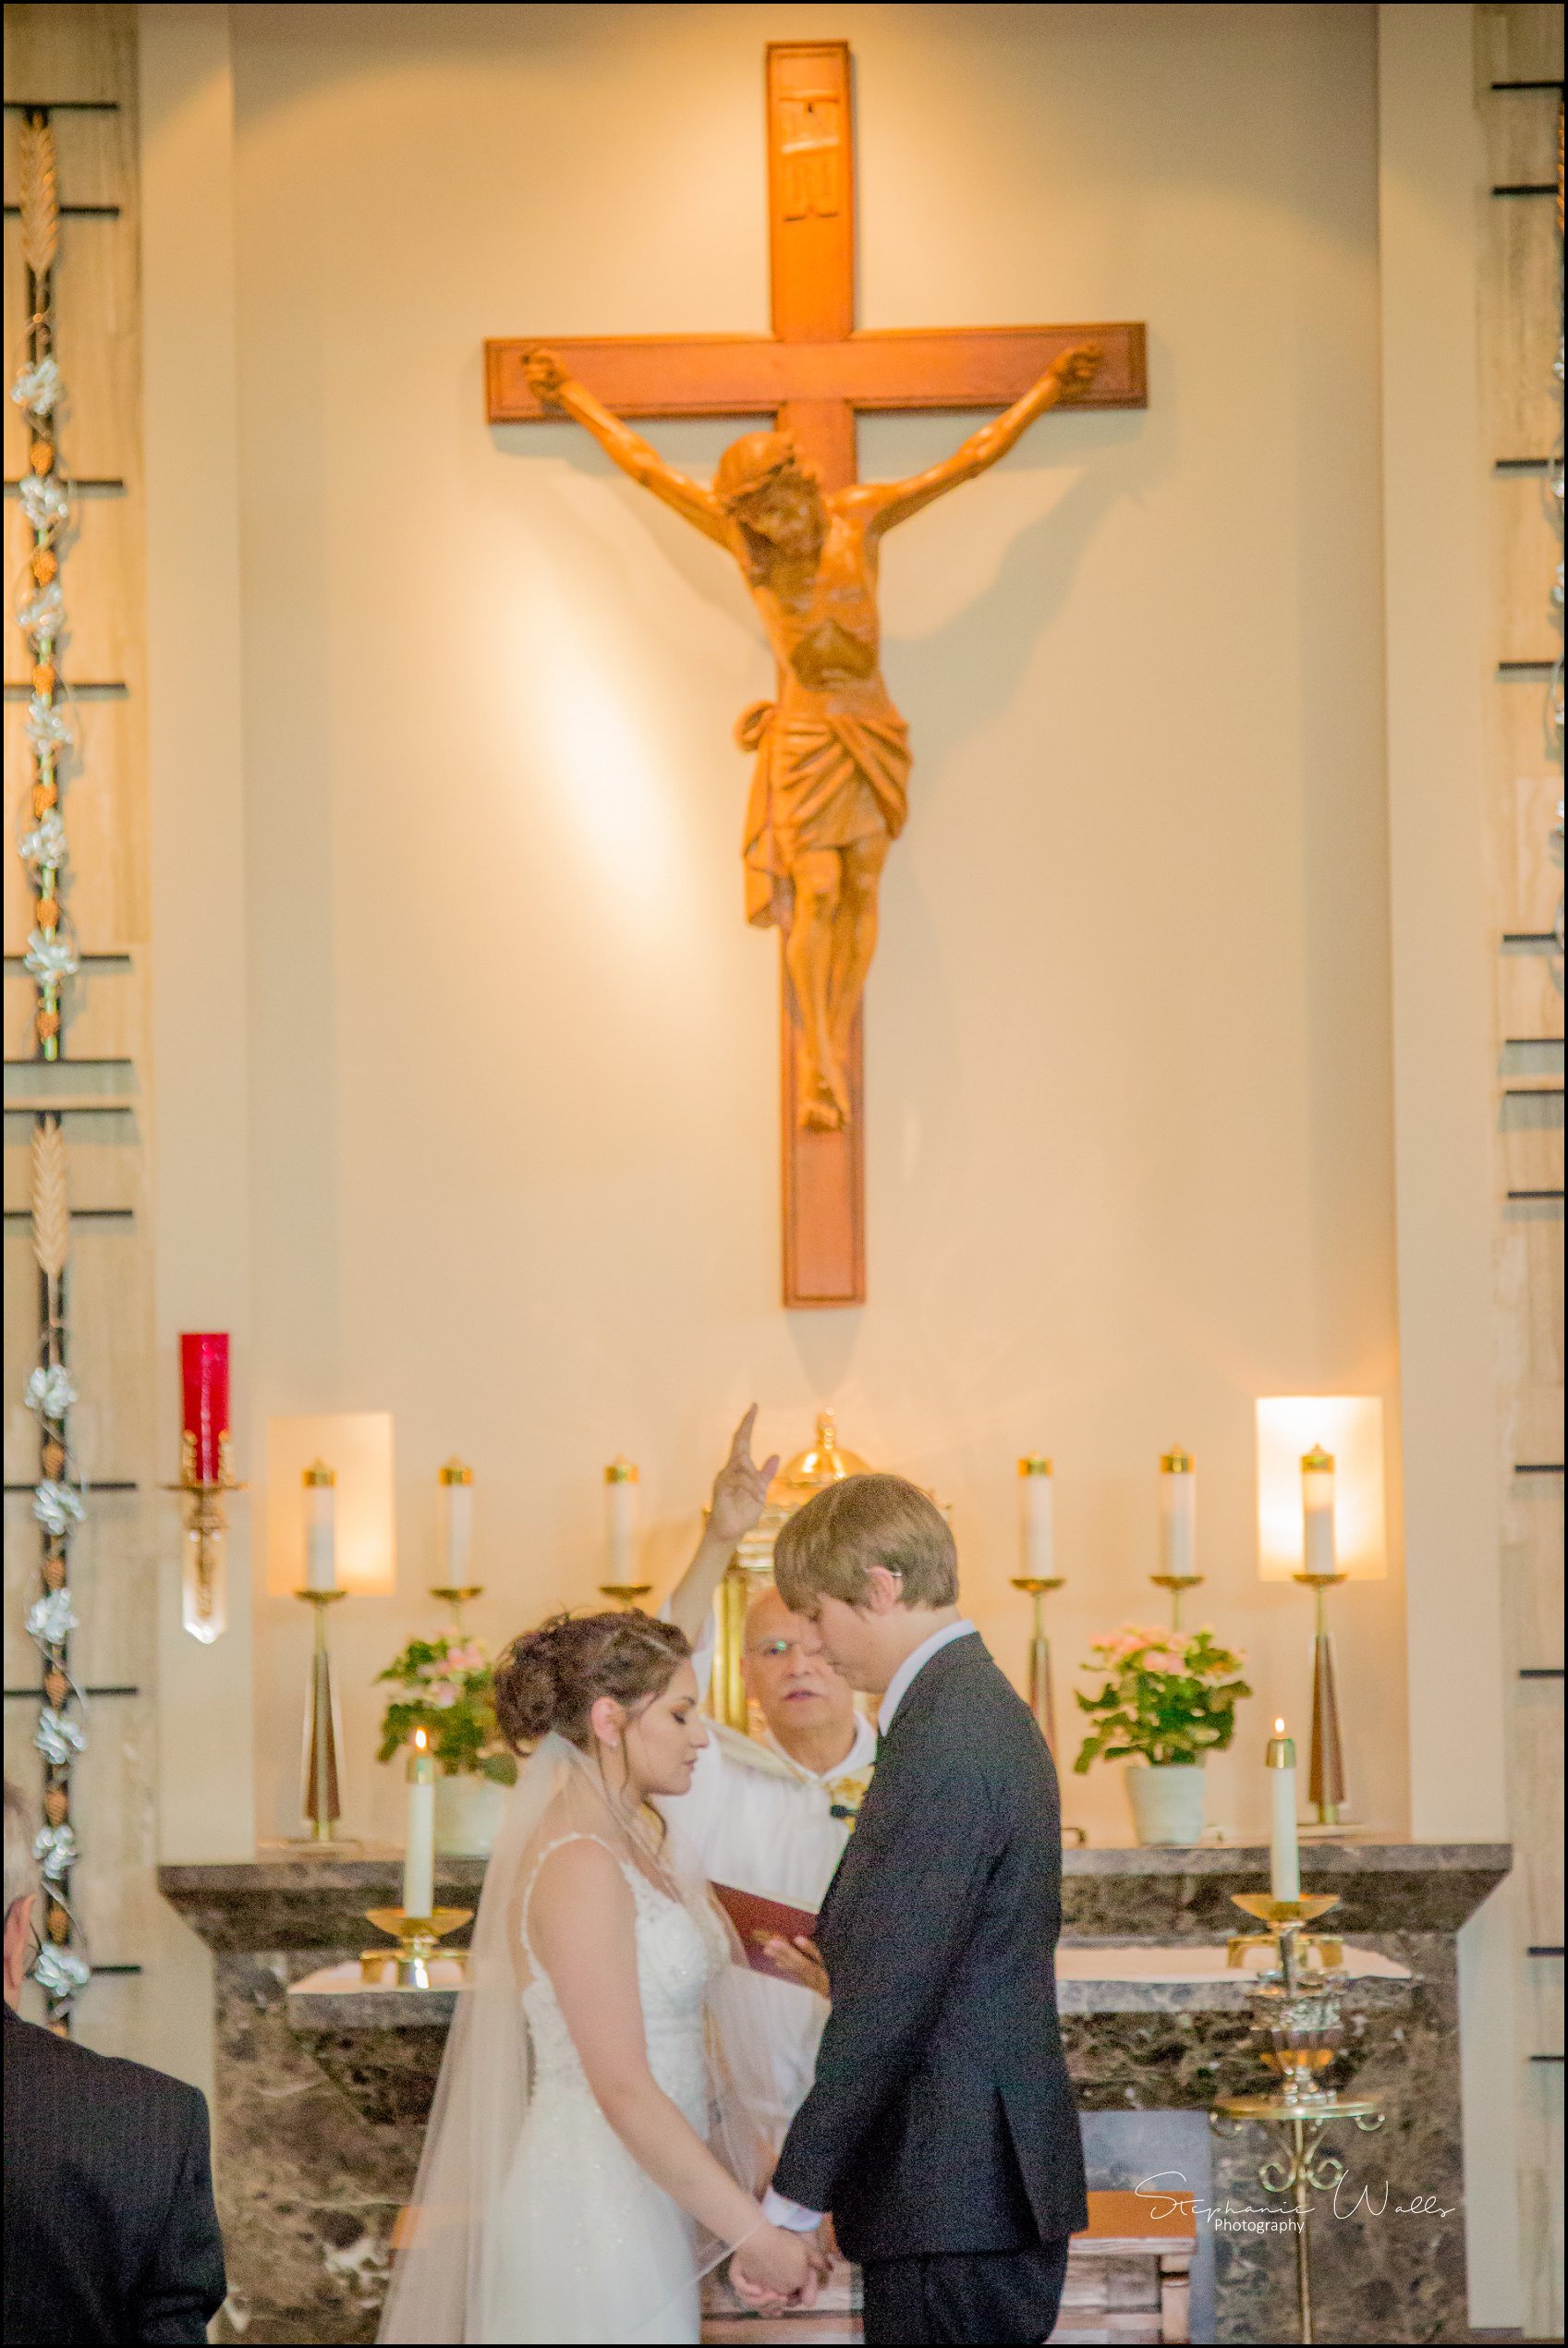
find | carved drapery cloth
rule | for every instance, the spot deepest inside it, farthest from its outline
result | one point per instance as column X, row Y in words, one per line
column 818, row 783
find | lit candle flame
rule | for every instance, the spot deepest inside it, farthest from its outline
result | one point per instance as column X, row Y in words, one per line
column 420, row 1739
column 1279, row 1729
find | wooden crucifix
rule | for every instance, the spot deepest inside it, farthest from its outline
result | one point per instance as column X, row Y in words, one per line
column 832, row 753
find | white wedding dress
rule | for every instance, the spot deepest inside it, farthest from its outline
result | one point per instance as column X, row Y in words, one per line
column 529, row 2219
column 587, row 2247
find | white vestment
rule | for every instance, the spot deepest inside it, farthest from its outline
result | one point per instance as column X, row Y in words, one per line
column 759, row 1821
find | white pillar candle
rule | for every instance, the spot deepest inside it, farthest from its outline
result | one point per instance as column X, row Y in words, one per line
column 1318, row 1552
column 1178, row 1514
column 620, row 1505
column 456, row 1524
column 1036, row 1527
column 1284, row 1849
column 320, row 1559
column 419, row 1857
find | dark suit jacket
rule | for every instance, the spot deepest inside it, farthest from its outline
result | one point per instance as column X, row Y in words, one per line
column 111, row 2233
column 942, row 2118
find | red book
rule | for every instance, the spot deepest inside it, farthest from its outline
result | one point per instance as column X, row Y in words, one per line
column 758, row 1921
column 203, row 1362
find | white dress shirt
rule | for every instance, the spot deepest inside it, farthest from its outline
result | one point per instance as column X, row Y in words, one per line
column 776, row 2210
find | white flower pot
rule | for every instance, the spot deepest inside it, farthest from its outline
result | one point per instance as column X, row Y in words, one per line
column 1167, row 1801
column 467, row 1812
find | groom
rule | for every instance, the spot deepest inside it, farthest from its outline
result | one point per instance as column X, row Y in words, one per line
column 940, row 2133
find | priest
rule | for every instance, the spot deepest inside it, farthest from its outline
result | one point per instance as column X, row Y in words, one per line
column 772, row 1814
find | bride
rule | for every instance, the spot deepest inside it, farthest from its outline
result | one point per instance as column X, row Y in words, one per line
column 591, row 2152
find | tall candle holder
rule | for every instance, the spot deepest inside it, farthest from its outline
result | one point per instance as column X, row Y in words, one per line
column 1041, row 1700
column 1178, row 1532
column 321, row 1795
column 620, row 1498
column 1176, row 1584
column 455, row 1482
column 1325, row 1775
column 455, row 1598
column 1325, row 1781
column 1041, row 1703
column 1297, row 2025
column 203, row 1576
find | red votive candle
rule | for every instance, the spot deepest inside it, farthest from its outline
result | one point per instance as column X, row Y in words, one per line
column 203, row 1361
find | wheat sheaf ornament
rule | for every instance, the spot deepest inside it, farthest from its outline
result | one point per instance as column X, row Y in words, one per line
column 51, row 1204
column 38, row 195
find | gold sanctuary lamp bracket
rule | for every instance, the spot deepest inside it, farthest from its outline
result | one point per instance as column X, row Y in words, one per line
column 203, row 1578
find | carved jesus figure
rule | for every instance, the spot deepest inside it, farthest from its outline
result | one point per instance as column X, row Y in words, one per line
column 830, row 789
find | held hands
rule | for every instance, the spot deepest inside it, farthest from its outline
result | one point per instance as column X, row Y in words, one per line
column 740, row 1488
column 801, row 1959
column 774, row 2267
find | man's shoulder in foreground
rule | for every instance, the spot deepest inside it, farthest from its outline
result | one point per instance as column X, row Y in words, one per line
column 37, row 2062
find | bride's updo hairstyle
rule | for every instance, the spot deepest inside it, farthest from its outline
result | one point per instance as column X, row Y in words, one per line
column 552, row 1678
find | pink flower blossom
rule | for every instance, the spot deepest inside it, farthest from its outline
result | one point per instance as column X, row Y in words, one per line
column 443, row 1695
column 466, row 1657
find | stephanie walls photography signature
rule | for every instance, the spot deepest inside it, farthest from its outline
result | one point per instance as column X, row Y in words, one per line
column 1167, row 2195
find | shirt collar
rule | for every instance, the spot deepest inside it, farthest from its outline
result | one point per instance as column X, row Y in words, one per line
column 898, row 1687
column 860, row 1756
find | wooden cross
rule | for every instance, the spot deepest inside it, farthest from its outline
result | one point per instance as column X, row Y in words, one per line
column 817, row 373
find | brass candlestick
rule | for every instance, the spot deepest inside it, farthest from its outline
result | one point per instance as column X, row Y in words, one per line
column 1178, row 1522
column 1176, row 1584
column 1325, row 1779
column 1298, row 2029
column 620, row 1490
column 1041, row 1700
column 321, row 1796
column 457, row 1598
column 417, row 1938
column 203, row 1592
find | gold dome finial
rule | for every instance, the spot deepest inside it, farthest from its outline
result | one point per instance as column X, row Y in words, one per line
column 824, row 1461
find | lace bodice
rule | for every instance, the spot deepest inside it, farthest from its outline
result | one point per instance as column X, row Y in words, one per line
column 679, row 1952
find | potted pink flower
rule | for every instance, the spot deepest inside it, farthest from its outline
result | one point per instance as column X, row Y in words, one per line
column 1167, row 1700
column 447, row 1690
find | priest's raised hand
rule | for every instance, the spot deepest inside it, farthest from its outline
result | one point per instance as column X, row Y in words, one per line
column 740, row 1494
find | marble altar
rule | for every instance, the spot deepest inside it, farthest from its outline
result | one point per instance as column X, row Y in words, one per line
column 322, row 2090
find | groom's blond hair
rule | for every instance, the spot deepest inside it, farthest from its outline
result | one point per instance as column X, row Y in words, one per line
column 829, row 1547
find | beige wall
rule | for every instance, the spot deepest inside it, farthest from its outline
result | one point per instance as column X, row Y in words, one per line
column 511, row 1047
